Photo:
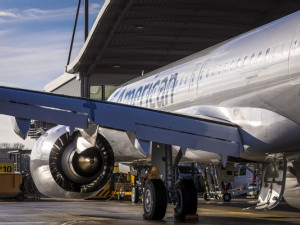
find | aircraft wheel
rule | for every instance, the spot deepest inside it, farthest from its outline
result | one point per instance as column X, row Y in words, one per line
column 135, row 195
column 187, row 199
column 226, row 197
column 154, row 200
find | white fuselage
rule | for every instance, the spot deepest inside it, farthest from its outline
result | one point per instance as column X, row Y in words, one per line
column 252, row 80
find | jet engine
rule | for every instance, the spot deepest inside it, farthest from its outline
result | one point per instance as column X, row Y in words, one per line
column 60, row 170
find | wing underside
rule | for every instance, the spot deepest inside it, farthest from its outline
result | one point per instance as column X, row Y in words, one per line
column 147, row 125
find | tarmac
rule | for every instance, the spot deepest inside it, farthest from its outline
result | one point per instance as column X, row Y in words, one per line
column 69, row 212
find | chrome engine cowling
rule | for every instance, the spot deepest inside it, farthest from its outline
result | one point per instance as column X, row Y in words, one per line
column 58, row 170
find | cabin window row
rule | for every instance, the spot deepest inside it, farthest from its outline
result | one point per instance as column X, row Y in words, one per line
column 275, row 52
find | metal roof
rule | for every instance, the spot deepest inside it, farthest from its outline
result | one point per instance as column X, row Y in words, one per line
column 131, row 36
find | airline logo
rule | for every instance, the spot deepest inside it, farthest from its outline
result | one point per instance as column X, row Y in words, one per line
column 152, row 95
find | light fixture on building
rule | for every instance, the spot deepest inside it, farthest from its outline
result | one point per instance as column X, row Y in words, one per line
column 139, row 27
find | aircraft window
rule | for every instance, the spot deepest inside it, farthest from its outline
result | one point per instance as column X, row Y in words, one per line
column 239, row 62
column 207, row 74
column 268, row 53
column 225, row 67
column 252, row 60
column 213, row 71
column 259, row 57
column 296, row 42
column 201, row 73
column 245, row 61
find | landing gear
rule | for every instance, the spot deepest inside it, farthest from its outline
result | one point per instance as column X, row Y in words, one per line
column 187, row 199
column 158, row 192
column 155, row 200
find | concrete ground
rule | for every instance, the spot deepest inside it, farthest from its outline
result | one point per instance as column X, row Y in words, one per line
column 58, row 212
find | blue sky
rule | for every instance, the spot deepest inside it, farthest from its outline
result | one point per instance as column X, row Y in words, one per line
column 34, row 44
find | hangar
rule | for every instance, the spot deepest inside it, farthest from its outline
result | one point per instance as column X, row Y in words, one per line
column 104, row 65
column 133, row 37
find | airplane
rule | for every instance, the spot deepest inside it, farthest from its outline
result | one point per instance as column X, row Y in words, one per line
column 239, row 99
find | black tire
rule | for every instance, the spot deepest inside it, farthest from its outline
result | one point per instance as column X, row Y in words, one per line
column 227, row 197
column 188, row 201
column 154, row 200
column 135, row 195
column 206, row 196
column 20, row 197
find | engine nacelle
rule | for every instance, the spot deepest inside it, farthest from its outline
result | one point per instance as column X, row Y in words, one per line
column 59, row 171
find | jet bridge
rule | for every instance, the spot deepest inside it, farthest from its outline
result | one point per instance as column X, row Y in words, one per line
column 146, row 125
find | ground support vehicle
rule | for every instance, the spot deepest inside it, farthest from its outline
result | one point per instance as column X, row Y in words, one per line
column 245, row 177
column 119, row 186
column 239, row 191
column 10, row 185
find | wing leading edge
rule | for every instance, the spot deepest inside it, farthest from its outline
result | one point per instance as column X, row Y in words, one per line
column 147, row 125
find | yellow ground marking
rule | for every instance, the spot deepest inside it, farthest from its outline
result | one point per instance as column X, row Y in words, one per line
column 240, row 213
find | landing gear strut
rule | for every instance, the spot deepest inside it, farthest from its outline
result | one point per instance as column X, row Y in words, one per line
column 169, row 189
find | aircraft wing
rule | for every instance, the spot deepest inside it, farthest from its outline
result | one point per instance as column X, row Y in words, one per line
column 147, row 125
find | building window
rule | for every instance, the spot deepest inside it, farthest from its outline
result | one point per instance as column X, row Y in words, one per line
column 96, row 92
column 101, row 92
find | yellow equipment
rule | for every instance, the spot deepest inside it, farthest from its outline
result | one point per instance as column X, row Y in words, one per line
column 10, row 185
column 6, row 167
column 120, row 185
